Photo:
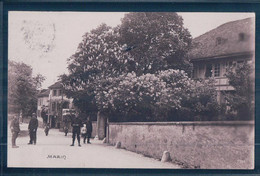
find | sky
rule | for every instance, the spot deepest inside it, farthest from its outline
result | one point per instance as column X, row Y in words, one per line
column 45, row 40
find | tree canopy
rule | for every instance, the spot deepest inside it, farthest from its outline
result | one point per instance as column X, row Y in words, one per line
column 241, row 100
column 157, row 41
column 135, row 69
column 22, row 88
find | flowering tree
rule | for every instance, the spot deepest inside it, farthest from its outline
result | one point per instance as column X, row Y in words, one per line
column 131, row 70
column 167, row 95
column 99, row 56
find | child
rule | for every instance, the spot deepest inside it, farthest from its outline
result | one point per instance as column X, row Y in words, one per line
column 66, row 130
column 47, row 128
column 84, row 132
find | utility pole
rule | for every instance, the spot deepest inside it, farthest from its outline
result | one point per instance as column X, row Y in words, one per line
column 50, row 106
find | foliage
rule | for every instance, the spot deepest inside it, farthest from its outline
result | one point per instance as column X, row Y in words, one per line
column 22, row 88
column 241, row 100
column 162, row 96
column 133, row 71
column 158, row 41
column 98, row 56
column 199, row 101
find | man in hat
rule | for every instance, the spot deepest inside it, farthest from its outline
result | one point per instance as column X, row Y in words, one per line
column 76, row 125
column 15, row 129
column 33, row 125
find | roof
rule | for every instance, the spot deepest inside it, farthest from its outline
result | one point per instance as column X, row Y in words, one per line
column 44, row 93
column 56, row 85
column 228, row 35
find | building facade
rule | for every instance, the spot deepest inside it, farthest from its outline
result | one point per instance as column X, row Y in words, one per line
column 53, row 101
column 222, row 48
column 57, row 102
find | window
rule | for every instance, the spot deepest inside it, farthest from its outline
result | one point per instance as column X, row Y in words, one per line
column 53, row 106
column 216, row 70
column 201, row 71
column 241, row 36
column 195, row 69
column 54, row 93
column 208, row 72
column 228, row 65
column 40, row 101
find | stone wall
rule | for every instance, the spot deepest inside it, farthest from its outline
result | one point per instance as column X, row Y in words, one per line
column 206, row 145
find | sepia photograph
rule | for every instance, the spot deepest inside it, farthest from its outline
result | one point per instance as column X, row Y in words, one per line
column 139, row 90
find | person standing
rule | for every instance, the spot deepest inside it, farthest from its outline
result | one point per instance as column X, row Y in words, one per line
column 66, row 129
column 89, row 130
column 76, row 125
column 47, row 129
column 21, row 116
column 15, row 129
column 44, row 115
column 33, row 125
column 84, row 132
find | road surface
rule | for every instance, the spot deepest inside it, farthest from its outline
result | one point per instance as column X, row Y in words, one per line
column 54, row 151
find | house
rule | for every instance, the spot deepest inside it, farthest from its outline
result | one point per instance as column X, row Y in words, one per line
column 57, row 102
column 221, row 48
column 53, row 101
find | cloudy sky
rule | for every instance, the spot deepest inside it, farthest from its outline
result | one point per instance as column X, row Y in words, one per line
column 45, row 40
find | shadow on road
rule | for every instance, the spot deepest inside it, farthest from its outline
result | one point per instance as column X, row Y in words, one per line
column 24, row 133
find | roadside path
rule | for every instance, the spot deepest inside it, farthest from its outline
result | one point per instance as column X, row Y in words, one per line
column 54, row 151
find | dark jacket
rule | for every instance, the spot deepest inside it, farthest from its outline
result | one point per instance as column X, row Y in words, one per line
column 33, row 124
column 15, row 126
column 76, row 123
column 44, row 115
column 89, row 126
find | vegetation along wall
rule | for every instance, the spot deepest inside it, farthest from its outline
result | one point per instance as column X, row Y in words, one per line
column 206, row 145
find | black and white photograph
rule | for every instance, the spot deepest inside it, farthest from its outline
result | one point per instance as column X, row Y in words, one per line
column 139, row 90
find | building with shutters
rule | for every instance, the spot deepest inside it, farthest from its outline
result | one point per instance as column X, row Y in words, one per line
column 225, row 46
column 57, row 102
column 53, row 100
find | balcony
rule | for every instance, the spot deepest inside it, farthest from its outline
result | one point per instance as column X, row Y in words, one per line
column 222, row 84
column 221, row 81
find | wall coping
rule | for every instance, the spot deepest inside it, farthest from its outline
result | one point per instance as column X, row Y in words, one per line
column 200, row 123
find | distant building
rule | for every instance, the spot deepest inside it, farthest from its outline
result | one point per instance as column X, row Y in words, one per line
column 53, row 100
column 57, row 102
column 227, row 45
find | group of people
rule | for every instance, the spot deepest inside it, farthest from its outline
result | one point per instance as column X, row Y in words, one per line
column 78, row 127
column 32, row 127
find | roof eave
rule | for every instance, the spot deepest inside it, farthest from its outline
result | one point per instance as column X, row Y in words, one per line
column 248, row 53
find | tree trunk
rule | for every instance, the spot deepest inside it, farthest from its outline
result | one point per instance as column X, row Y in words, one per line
column 101, row 126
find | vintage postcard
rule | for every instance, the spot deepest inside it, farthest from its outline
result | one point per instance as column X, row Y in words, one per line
column 167, row 90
